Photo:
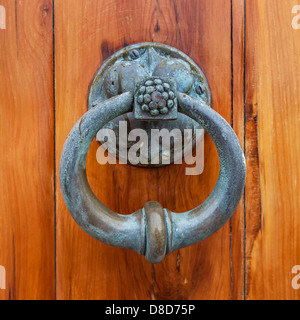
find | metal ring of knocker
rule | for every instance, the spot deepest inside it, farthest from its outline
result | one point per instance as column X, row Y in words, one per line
column 151, row 231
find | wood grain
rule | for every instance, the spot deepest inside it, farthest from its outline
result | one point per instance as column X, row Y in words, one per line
column 237, row 121
column 27, row 151
column 86, row 32
column 272, row 150
column 249, row 53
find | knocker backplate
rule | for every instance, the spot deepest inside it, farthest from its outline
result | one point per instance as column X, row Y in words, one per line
column 128, row 67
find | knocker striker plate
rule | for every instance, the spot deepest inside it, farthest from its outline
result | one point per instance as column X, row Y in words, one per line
column 124, row 70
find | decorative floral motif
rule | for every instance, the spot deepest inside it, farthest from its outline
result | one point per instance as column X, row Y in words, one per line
column 156, row 97
column 154, row 74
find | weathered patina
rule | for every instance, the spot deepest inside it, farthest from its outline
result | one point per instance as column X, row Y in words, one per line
column 122, row 71
column 152, row 231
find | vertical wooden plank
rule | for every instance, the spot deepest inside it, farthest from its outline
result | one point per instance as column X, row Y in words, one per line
column 26, row 140
column 87, row 32
column 237, row 221
column 202, row 29
column 272, row 149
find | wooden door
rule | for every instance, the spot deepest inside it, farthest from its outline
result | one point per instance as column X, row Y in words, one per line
column 50, row 51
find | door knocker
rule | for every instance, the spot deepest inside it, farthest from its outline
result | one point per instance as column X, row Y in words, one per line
column 154, row 86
